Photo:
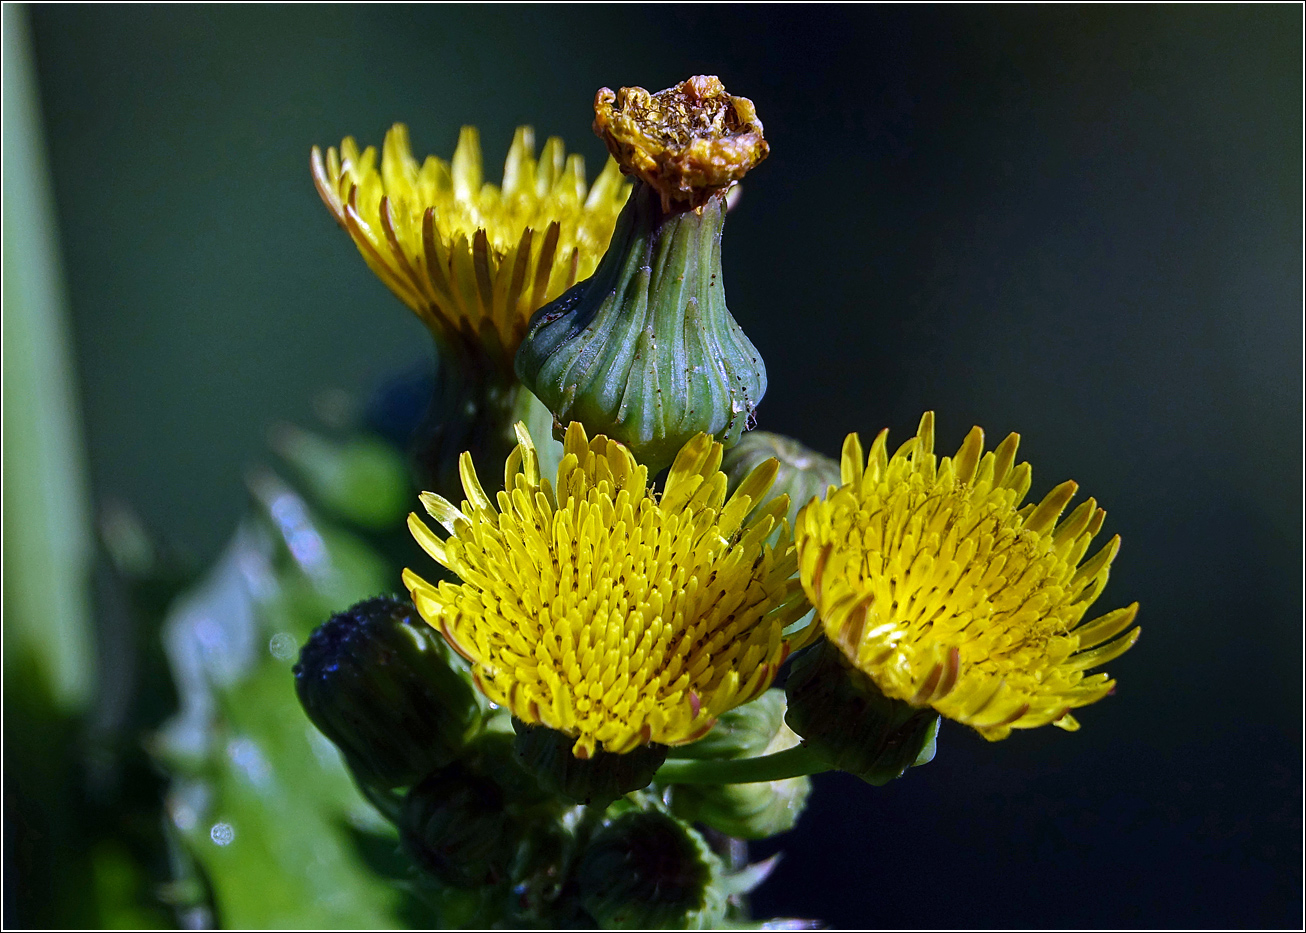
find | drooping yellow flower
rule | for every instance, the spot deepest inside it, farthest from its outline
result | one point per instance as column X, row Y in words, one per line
column 473, row 260
column 605, row 611
column 937, row 583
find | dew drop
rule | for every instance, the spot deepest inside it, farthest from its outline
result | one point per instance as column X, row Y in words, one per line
column 222, row 834
column 282, row 646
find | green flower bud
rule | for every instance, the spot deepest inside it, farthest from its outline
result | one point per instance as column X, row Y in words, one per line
column 375, row 680
column 845, row 719
column 645, row 351
column 749, row 811
column 648, row 870
column 450, row 821
column 803, row 472
column 539, row 874
column 595, row 781
column 455, row 825
column 745, row 811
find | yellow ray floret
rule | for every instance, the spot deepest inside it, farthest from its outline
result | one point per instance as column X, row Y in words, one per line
column 607, row 612
column 937, row 583
column 473, row 260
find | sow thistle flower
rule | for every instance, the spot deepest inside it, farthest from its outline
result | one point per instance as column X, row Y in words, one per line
column 935, row 582
column 473, row 260
column 605, row 611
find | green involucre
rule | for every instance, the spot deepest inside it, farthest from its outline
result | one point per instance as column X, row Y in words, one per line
column 845, row 719
column 645, row 351
column 648, row 870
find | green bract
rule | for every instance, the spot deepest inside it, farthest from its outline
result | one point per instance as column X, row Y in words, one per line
column 597, row 780
column 456, row 825
column 846, row 720
column 746, row 811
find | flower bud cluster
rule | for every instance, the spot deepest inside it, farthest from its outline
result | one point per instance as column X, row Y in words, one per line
column 484, row 803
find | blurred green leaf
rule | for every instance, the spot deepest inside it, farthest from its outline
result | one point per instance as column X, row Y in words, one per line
column 47, row 561
column 262, row 800
column 48, row 664
column 122, row 891
column 275, row 836
column 361, row 479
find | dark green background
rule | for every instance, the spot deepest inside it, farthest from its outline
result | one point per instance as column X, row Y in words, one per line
column 1080, row 223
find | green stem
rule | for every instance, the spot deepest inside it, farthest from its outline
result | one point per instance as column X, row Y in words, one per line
column 792, row 762
column 471, row 410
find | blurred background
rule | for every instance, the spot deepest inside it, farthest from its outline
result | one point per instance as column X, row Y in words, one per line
column 1080, row 223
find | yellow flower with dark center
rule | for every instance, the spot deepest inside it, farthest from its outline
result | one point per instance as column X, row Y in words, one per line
column 473, row 260
column 607, row 612
column 935, row 581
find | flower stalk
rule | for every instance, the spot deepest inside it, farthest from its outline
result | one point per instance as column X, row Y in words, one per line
column 472, row 409
column 778, row 766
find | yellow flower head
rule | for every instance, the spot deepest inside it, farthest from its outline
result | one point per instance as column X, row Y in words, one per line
column 936, row 583
column 604, row 611
column 473, row 260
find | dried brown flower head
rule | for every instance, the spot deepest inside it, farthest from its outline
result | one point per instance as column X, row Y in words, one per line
column 688, row 142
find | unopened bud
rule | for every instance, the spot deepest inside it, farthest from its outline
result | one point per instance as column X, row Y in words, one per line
column 375, row 680
column 803, row 473
column 648, row 870
column 455, row 825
